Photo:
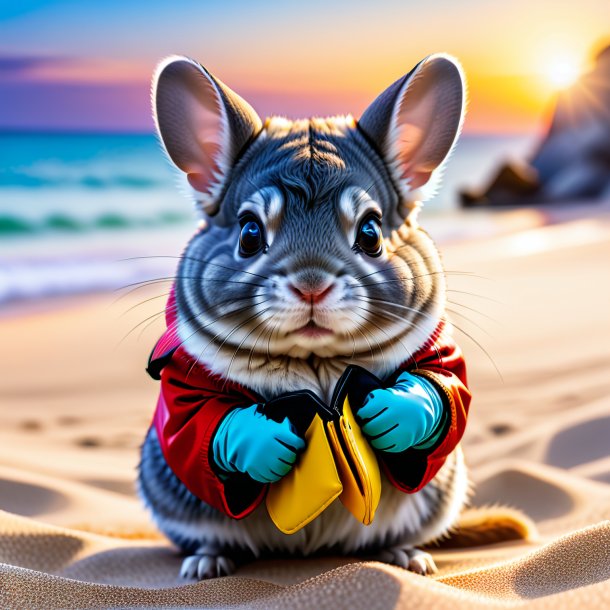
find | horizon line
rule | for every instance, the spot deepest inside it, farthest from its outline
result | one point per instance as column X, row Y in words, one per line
column 93, row 131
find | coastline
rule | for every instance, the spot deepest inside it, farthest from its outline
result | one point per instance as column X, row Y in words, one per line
column 77, row 402
column 53, row 267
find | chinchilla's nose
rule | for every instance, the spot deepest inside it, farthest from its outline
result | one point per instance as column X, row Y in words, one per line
column 312, row 286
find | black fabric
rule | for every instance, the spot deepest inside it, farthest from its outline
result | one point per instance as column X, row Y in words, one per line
column 300, row 407
column 241, row 491
column 409, row 467
column 356, row 383
column 156, row 365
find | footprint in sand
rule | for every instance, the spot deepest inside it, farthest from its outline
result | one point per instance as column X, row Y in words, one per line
column 68, row 420
column 29, row 500
column 584, row 442
column 537, row 498
column 88, row 442
column 31, row 425
column 500, row 429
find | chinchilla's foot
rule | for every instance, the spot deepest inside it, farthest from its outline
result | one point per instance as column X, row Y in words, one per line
column 205, row 564
column 409, row 558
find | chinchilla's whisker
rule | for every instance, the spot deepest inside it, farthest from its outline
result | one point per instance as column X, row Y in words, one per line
column 269, row 340
column 374, row 300
column 261, row 323
column 482, row 349
column 172, row 278
column 390, row 339
column 389, row 303
column 173, row 328
column 159, row 313
column 410, row 262
column 401, row 280
column 474, row 310
column 158, row 296
column 250, row 303
column 266, row 329
column 208, row 279
column 406, row 260
column 386, row 315
column 474, row 294
column 199, row 260
column 467, row 274
column 412, row 309
column 444, row 272
column 470, row 320
column 359, row 329
column 137, row 287
column 363, row 332
column 235, row 329
column 216, row 319
column 240, row 325
column 395, row 305
column 223, row 281
column 151, row 317
column 154, row 280
column 390, row 268
column 145, row 283
column 149, row 324
column 368, row 321
column 217, row 335
column 353, row 344
column 429, row 274
column 398, row 305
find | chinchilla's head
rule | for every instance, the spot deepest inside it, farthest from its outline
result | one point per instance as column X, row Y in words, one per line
column 309, row 248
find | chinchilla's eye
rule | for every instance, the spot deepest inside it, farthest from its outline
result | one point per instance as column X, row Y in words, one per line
column 251, row 236
column 369, row 238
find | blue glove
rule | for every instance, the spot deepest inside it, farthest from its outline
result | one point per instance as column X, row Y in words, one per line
column 247, row 441
column 406, row 415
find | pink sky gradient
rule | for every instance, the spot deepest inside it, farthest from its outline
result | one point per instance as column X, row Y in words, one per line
column 79, row 66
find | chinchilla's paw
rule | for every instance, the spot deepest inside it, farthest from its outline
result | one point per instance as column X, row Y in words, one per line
column 409, row 558
column 205, row 565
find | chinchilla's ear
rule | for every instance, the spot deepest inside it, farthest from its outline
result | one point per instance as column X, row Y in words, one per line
column 202, row 123
column 414, row 124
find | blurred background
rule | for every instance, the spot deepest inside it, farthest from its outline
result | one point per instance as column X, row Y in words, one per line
column 82, row 178
column 522, row 221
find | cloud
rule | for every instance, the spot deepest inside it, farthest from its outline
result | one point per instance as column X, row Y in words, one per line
column 87, row 93
column 75, row 106
column 37, row 68
column 20, row 66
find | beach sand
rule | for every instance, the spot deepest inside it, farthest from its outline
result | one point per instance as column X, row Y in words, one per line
column 76, row 402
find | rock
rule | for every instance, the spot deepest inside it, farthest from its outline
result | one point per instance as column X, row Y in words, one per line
column 573, row 159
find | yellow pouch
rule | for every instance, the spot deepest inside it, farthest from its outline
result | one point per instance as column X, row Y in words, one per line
column 311, row 486
column 338, row 460
column 357, row 465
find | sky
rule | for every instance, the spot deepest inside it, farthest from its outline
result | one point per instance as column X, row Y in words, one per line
column 86, row 65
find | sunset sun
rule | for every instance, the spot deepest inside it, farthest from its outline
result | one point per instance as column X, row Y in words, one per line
column 562, row 72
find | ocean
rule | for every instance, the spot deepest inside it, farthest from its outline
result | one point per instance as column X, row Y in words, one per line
column 73, row 207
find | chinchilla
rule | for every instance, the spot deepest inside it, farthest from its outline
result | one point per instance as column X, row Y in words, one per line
column 309, row 258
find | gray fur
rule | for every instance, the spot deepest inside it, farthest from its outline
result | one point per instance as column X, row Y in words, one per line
column 310, row 182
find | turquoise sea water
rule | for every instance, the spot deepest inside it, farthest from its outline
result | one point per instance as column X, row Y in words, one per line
column 72, row 204
column 78, row 182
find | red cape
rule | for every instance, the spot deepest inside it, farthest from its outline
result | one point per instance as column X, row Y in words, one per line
column 193, row 401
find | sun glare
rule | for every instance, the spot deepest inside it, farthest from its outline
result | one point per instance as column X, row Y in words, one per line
column 563, row 72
